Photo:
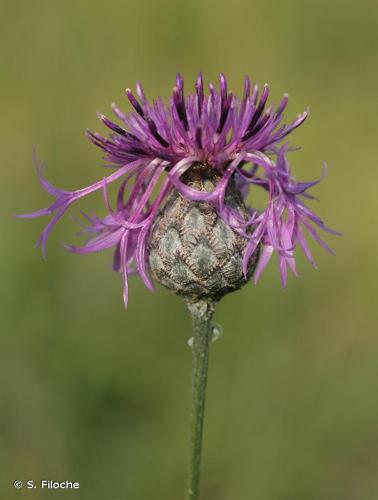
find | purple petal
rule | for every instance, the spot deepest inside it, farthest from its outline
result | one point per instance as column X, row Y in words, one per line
column 263, row 262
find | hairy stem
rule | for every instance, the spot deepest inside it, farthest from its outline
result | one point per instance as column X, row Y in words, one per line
column 201, row 312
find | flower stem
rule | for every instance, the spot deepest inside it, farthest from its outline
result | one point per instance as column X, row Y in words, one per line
column 201, row 312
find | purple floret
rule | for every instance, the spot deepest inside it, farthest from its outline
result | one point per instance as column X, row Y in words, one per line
column 159, row 142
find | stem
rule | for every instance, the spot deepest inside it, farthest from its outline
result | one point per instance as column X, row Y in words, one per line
column 201, row 312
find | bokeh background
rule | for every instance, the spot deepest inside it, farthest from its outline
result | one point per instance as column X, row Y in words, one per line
column 92, row 393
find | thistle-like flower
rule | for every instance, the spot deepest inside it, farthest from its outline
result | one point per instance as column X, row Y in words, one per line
column 182, row 214
column 185, row 170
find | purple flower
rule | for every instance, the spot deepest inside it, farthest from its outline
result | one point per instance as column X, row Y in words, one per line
column 159, row 142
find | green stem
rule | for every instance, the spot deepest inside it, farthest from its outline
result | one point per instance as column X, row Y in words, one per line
column 201, row 312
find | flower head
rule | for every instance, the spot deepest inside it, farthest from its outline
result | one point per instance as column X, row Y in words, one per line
column 156, row 148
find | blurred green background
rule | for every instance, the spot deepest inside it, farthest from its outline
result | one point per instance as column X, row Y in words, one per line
column 92, row 393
